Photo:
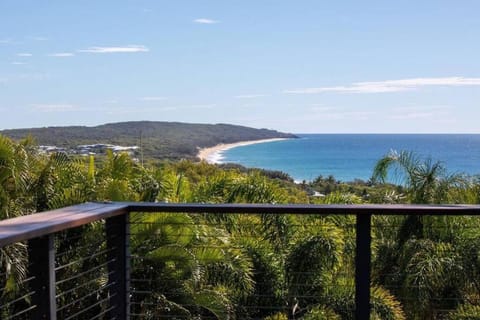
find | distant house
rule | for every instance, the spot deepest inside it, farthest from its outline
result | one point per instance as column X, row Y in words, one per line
column 89, row 149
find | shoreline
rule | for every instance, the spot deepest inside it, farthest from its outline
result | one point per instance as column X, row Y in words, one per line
column 213, row 154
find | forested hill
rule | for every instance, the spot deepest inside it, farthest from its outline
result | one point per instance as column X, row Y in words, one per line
column 172, row 140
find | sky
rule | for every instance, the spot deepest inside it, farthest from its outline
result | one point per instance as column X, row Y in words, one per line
column 303, row 66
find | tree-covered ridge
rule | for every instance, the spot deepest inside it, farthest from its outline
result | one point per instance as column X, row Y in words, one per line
column 226, row 266
column 173, row 140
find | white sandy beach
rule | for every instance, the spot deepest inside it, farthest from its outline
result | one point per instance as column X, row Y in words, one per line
column 214, row 154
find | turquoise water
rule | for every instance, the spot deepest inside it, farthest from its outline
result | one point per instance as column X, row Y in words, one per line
column 350, row 156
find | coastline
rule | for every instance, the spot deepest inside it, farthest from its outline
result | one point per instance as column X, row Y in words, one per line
column 213, row 154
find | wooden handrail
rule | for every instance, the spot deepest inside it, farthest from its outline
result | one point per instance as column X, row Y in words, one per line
column 44, row 223
column 333, row 209
column 40, row 224
column 39, row 229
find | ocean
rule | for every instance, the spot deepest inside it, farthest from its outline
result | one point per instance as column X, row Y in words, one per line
column 353, row 156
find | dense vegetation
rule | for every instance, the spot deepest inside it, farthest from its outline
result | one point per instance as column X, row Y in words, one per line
column 263, row 266
column 158, row 140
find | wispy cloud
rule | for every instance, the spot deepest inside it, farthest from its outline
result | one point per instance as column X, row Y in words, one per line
column 168, row 108
column 199, row 106
column 206, row 21
column 137, row 110
column 18, row 63
column 24, row 54
column 420, row 112
column 250, row 96
column 124, row 110
column 156, row 109
column 412, row 115
column 152, row 98
column 432, row 108
column 391, row 85
column 124, row 49
column 253, row 104
column 40, row 38
column 54, row 107
column 32, row 76
column 317, row 108
column 61, row 54
column 355, row 115
column 6, row 41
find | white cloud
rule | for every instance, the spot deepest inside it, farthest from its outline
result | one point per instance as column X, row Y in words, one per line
column 136, row 110
column 343, row 115
column 54, row 107
column 170, row 108
column 152, row 98
column 447, row 81
column 32, row 76
column 412, row 115
column 183, row 107
column 317, row 108
column 250, row 96
column 18, row 63
column 256, row 105
column 391, row 85
column 5, row 41
column 205, row 21
column 200, row 106
column 420, row 112
column 125, row 49
column 40, row 38
column 433, row 108
column 61, row 54
column 24, row 54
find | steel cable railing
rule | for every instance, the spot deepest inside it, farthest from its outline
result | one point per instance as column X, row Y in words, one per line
column 15, row 288
column 182, row 261
column 81, row 272
column 243, row 263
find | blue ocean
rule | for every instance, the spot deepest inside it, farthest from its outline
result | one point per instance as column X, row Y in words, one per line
column 353, row 156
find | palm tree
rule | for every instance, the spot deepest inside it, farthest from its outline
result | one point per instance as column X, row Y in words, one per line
column 191, row 267
column 421, row 255
column 119, row 178
column 15, row 200
column 425, row 181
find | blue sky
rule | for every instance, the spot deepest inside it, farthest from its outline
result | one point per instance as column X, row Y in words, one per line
column 303, row 66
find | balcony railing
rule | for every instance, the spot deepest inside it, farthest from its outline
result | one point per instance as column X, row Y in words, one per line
column 90, row 261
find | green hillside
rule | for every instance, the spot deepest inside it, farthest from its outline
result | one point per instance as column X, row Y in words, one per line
column 171, row 140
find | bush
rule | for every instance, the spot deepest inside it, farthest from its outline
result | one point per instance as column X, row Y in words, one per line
column 465, row 312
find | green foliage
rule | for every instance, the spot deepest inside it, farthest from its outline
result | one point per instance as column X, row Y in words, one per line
column 13, row 261
column 465, row 312
column 264, row 266
column 215, row 301
column 267, row 279
column 321, row 313
column 158, row 140
column 202, row 265
column 425, row 181
column 277, row 316
column 339, row 198
column 384, row 305
column 329, row 190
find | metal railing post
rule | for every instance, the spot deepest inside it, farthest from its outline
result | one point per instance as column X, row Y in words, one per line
column 363, row 258
column 41, row 255
column 117, row 230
